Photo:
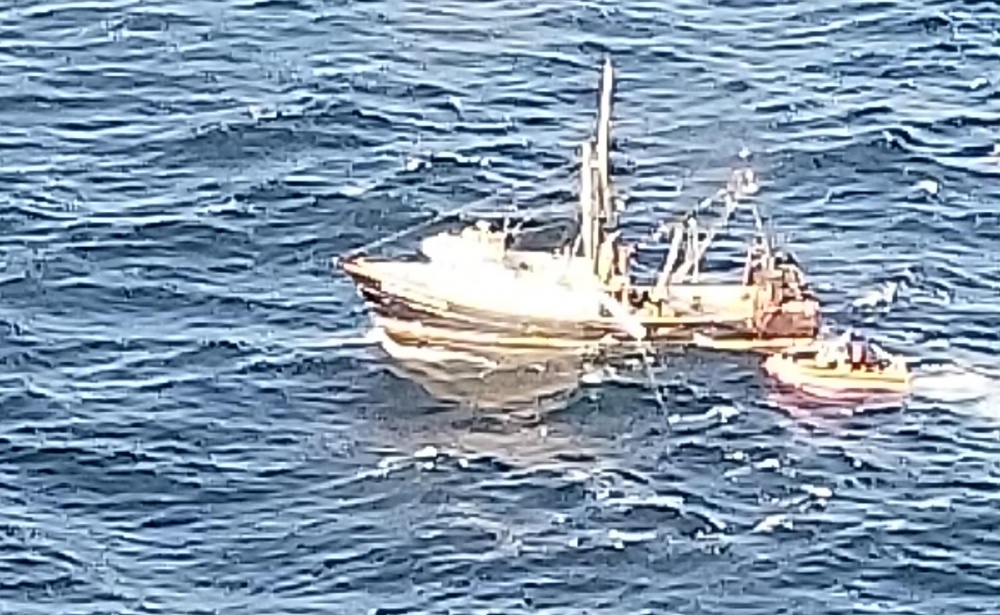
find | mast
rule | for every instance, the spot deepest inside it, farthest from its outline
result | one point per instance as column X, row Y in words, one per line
column 598, row 216
column 605, row 221
column 587, row 214
column 603, row 139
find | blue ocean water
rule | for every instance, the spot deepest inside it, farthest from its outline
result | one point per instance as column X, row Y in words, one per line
column 193, row 418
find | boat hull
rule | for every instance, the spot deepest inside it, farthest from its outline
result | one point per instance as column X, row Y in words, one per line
column 730, row 321
column 817, row 380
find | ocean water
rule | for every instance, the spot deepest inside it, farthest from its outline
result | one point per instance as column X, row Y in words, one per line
column 194, row 416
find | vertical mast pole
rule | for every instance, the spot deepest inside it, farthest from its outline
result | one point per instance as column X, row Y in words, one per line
column 603, row 138
column 587, row 230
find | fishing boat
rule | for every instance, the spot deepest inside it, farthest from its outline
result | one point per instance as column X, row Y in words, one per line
column 827, row 368
column 477, row 282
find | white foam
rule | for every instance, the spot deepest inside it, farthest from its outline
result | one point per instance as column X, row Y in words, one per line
column 735, row 472
column 951, row 384
column 884, row 296
column 935, row 502
column 968, row 389
column 769, row 464
column 427, row 452
column 619, row 538
column 671, row 502
column 824, row 493
column 929, row 186
column 415, row 164
column 356, row 190
column 772, row 522
column 724, row 413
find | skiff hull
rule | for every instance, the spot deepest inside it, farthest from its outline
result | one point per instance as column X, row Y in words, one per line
column 805, row 374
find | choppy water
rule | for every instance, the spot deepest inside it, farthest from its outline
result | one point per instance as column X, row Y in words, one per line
column 193, row 421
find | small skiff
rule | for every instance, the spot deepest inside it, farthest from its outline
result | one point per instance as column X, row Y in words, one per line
column 823, row 368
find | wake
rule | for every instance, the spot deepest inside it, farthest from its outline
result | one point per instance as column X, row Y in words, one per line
column 953, row 383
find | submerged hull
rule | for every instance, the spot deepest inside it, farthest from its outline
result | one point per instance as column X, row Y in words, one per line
column 507, row 308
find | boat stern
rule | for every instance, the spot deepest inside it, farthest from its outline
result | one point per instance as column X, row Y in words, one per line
column 795, row 319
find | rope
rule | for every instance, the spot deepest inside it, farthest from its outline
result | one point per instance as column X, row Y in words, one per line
column 457, row 212
column 645, row 347
column 647, row 362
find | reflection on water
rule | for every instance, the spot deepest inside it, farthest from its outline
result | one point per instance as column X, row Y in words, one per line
column 484, row 379
column 529, row 386
column 497, row 406
column 829, row 414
